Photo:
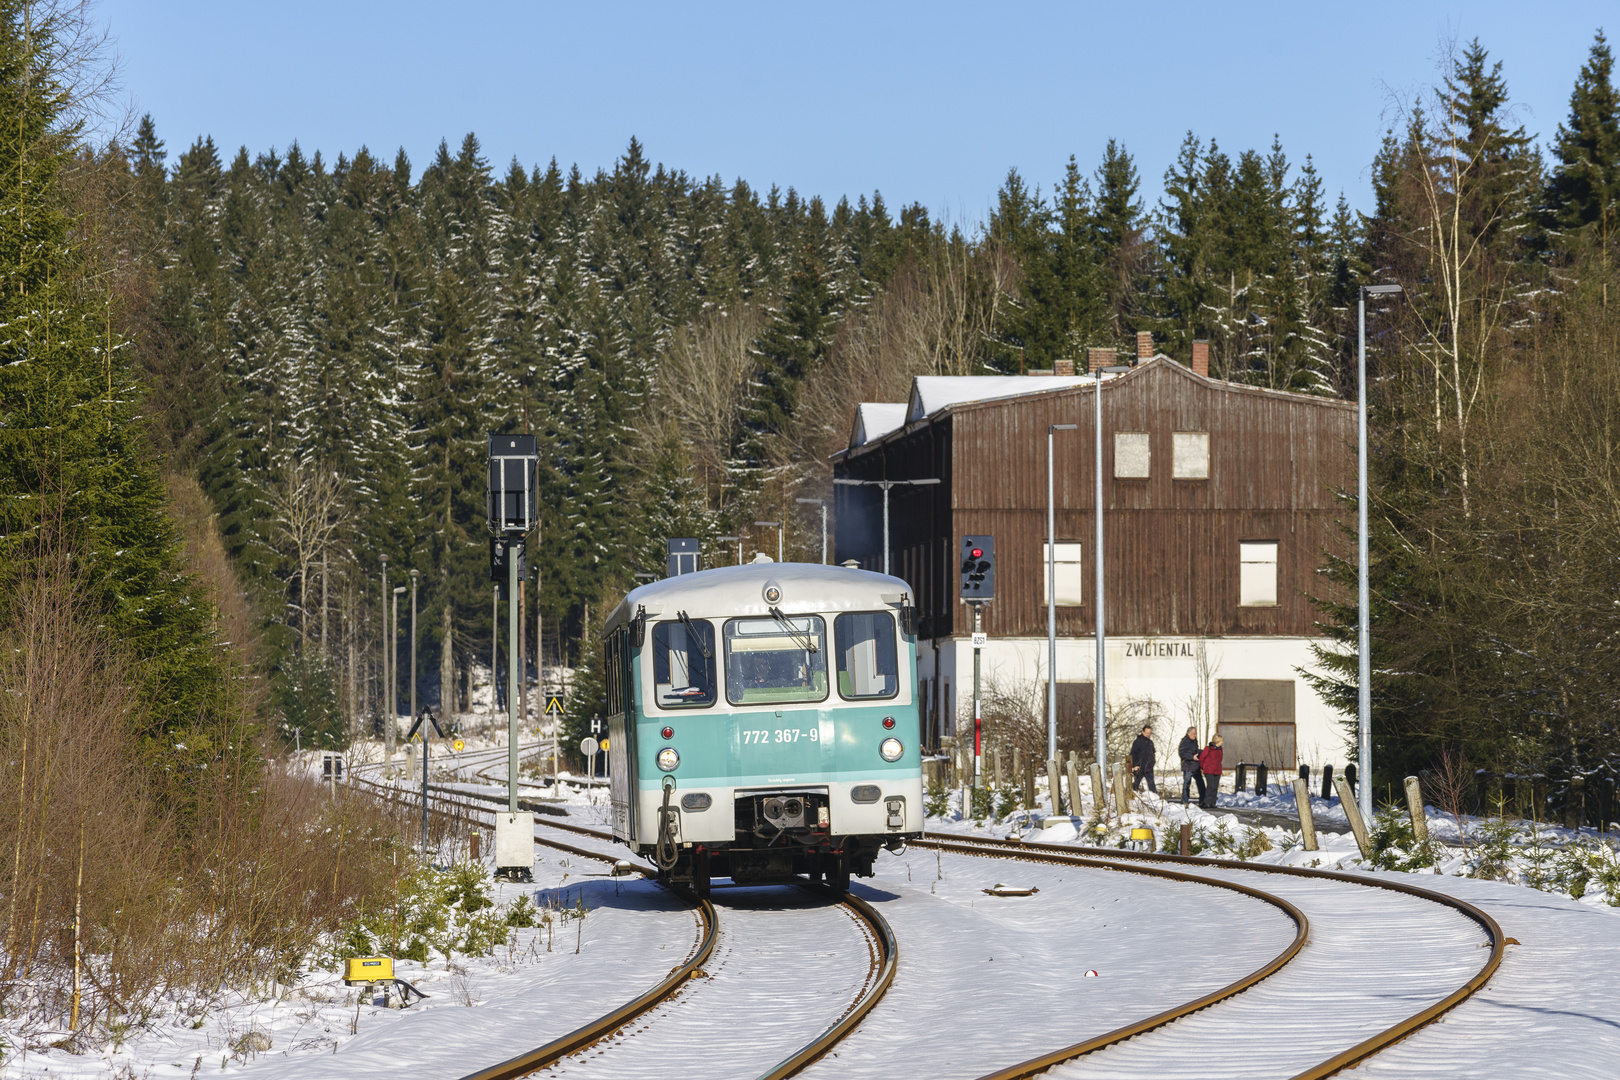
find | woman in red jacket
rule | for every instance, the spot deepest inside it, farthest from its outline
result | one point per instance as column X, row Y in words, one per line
column 1209, row 763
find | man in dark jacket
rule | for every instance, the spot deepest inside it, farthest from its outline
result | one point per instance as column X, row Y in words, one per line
column 1142, row 754
column 1190, row 772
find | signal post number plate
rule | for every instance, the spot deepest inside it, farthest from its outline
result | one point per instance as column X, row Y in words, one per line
column 981, row 640
column 760, row 736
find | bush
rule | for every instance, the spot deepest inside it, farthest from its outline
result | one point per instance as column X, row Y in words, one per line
column 429, row 910
column 938, row 801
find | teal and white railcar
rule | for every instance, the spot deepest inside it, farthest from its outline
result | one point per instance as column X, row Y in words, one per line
column 763, row 722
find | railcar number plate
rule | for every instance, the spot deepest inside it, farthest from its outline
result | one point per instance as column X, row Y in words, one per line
column 779, row 735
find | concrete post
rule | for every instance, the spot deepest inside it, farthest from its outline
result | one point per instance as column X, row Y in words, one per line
column 1052, row 786
column 1307, row 817
column 1074, row 787
column 1018, row 762
column 1358, row 826
column 995, row 764
column 1122, row 793
column 1028, row 776
column 1097, row 796
column 1414, row 807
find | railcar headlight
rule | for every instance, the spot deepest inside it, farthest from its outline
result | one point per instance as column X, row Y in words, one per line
column 891, row 749
column 668, row 758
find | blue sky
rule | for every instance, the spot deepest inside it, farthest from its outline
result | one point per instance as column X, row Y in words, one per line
column 926, row 102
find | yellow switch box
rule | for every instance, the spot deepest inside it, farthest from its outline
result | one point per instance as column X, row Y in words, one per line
column 365, row 969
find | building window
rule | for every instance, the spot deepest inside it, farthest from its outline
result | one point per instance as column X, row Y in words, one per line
column 1066, row 569
column 1131, row 455
column 1257, row 573
column 1189, row 455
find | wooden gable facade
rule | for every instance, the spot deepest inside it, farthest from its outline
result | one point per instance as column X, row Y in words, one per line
column 1277, row 465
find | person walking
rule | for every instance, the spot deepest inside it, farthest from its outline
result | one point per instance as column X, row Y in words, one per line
column 1209, row 763
column 1142, row 755
column 1190, row 772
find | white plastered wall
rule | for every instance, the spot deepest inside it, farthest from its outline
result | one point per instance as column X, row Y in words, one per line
column 1167, row 670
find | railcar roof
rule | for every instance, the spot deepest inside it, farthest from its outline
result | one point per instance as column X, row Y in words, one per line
column 739, row 590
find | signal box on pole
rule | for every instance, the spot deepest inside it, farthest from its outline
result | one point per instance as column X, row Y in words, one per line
column 978, row 567
column 512, row 506
column 683, row 556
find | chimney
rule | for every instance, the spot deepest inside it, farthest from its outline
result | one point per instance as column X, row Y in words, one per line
column 1063, row 367
column 1200, row 359
column 1097, row 359
column 1144, row 345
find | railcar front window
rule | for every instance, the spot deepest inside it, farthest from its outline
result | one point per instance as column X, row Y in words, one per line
column 867, row 664
column 769, row 661
column 683, row 663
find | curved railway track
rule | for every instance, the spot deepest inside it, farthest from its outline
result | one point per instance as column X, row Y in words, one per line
column 882, row 948
column 1298, row 984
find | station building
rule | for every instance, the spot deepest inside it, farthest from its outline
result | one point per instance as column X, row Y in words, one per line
column 1221, row 502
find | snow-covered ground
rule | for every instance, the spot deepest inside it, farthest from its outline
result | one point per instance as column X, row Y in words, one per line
column 982, row 980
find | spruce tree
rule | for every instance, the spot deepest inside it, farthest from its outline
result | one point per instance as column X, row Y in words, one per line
column 1584, row 191
column 75, row 475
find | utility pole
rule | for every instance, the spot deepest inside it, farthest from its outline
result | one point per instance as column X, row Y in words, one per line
column 415, row 576
column 393, row 675
column 387, row 698
column 777, row 525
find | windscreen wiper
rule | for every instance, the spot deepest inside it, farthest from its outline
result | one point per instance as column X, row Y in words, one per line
column 692, row 632
column 801, row 636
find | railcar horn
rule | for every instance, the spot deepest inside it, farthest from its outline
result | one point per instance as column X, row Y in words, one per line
column 638, row 627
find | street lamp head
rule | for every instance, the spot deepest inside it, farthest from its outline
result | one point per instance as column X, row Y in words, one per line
column 811, row 502
column 1061, row 427
column 415, row 574
column 1380, row 290
column 400, row 589
column 728, row 538
column 384, row 559
column 1115, row 369
column 769, row 524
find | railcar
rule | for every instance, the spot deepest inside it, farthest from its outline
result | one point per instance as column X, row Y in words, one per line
column 763, row 723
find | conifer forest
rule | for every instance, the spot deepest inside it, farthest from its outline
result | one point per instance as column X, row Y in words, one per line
column 235, row 378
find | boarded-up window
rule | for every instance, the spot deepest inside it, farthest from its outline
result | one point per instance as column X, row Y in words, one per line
column 1256, row 721
column 1132, row 460
column 1076, row 718
column 1257, row 573
column 1189, row 455
column 1067, row 572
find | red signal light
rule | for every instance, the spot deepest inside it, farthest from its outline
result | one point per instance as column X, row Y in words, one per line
column 888, row 721
column 668, row 733
column 978, row 553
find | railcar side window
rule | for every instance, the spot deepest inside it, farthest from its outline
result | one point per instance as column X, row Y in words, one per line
column 612, row 656
column 683, row 663
column 867, row 664
column 769, row 661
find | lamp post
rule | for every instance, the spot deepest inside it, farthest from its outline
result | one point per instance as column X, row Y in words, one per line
column 393, row 675
column 415, row 575
column 729, row 539
column 387, row 698
column 1363, row 593
column 885, row 485
column 823, row 504
column 1099, row 694
column 1051, row 600
column 777, row 525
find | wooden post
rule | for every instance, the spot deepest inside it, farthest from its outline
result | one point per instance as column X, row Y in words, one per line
column 1028, row 775
column 1074, row 787
column 1018, row 762
column 1186, row 839
column 1052, row 786
column 1414, row 807
column 1097, row 795
column 473, row 845
column 1347, row 799
column 1307, row 817
column 995, row 763
column 1122, row 792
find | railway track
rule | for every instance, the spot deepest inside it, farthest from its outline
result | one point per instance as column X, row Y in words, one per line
column 778, row 922
column 1321, row 987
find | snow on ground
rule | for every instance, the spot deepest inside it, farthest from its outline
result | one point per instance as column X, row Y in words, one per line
column 1016, row 965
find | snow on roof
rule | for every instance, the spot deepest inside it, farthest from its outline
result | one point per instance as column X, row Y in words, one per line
column 931, row 393
column 875, row 419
